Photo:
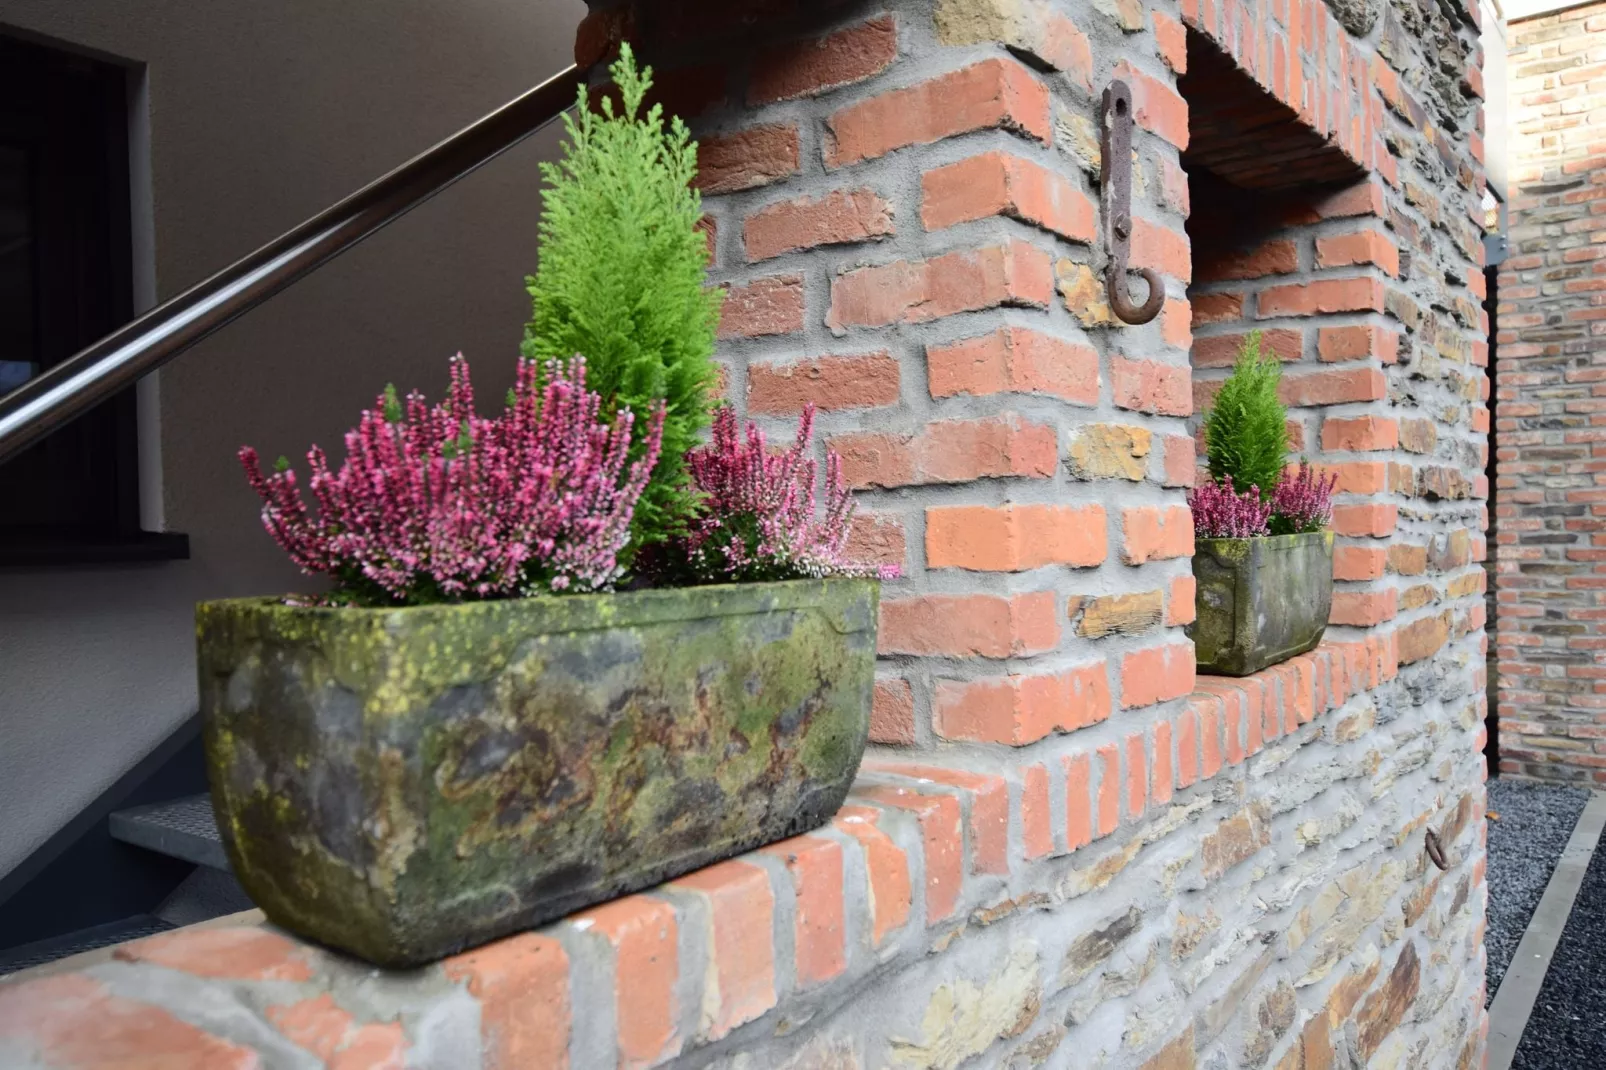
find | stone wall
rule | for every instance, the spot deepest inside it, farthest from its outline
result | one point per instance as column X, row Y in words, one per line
column 1066, row 850
column 1550, row 430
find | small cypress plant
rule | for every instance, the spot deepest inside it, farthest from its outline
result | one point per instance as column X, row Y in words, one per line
column 622, row 280
column 1246, row 430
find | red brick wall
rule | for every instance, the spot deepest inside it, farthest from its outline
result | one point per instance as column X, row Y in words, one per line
column 1550, row 428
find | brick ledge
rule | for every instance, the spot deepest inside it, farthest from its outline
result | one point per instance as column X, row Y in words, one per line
column 921, row 850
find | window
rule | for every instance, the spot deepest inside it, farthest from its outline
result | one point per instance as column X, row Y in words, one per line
column 65, row 281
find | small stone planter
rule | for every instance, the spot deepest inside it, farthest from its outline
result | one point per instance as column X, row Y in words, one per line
column 1260, row 601
column 405, row 783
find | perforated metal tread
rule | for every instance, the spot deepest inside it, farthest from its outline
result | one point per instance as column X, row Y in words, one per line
column 28, row 956
column 182, row 828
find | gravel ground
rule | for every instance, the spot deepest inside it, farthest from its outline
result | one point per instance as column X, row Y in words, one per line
column 1564, row 1032
column 1535, row 823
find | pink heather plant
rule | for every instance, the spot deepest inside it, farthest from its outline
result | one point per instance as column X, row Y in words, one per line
column 1219, row 512
column 1303, row 502
column 757, row 521
column 442, row 505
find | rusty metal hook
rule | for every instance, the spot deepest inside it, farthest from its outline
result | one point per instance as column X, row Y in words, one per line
column 1435, row 849
column 1116, row 186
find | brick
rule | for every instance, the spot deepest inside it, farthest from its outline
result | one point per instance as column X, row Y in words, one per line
column 1188, row 747
column 1078, row 800
column 1216, row 308
column 1156, row 534
column 1423, row 638
column 1279, row 256
column 229, row 953
column 829, row 383
column 1221, row 350
column 522, row 986
column 938, row 817
column 997, row 183
column 843, row 217
column 1150, row 386
column 962, row 626
column 741, row 910
column 1156, row 107
column 330, row 1032
column 820, row 938
column 876, row 539
column 1036, row 819
column 1418, row 436
column 1377, row 521
column 892, row 713
column 747, row 159
column 1157, row 674
column 644, row 936
column 1336, row 344
column 1363, row 198
column 1015, row 538
column 1163, row 778
column 1112, row 451
column 72, row 1021
column 996, row 93
column 1171, row 42
column 1109, row 800
column 1363, row 609
column 1015, row 275
column 1015, row 360
column 1211, row 711
column 1361, row 433
column 1181, row 603
column 1358, row 247
column 1333, row 387
column 1018, row 710
column 1116, row 614
column 809, row 68
column 1137, row 776
column 1180, row 468
column 763, row 308
column 1358, row 563
column 987, row 828
column 887, row 868
column 956, row 451
column 1159, row 248
column 1321, row 297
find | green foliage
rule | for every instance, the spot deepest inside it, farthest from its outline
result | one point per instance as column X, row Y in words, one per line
column 622, row 279
column 1246, row 431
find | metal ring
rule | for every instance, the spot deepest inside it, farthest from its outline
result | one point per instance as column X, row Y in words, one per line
column 1435, row 849
column 1121, row 302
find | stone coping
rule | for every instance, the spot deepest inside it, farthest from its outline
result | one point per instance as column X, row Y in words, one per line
column 923, row 849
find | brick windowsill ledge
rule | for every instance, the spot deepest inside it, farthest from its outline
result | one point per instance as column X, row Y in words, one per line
column 752, row 946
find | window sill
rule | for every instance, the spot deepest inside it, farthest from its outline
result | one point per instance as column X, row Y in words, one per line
column 40, row 551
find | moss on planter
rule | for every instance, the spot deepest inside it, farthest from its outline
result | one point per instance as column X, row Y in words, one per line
column 406, row 783
column 1260, row 601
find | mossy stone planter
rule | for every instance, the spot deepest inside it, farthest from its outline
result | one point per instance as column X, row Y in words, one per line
column 403, row 784
column 1260, row 601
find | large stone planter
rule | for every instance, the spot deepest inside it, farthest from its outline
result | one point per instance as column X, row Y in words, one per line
column 402, row 784
column 1260, row 601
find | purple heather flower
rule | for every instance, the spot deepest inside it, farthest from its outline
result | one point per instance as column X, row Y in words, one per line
column 758, row 520
column 1220, row 512
column 440, row 504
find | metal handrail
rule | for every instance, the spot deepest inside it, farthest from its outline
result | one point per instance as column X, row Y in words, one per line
column 92, row 375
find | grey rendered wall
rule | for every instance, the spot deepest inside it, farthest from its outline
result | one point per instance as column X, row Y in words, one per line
column 259, row 116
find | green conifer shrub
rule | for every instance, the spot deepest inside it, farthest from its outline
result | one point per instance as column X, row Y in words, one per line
column 622, row 279
column 1246, row 430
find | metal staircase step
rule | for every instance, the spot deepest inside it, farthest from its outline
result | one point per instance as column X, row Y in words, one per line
column 26, row 957
column 181, row 828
